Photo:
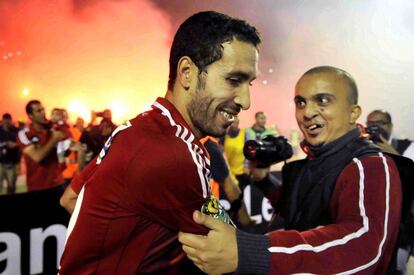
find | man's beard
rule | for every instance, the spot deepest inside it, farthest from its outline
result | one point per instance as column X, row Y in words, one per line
column 199, row 107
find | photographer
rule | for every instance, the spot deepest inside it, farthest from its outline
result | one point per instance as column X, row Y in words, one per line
column 341, row 205
column 9, row 154
column 379, row 126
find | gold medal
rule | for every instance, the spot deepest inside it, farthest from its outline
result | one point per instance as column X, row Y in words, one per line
column 213, row 208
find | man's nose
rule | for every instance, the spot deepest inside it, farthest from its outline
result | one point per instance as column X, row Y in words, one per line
column 310, row 110
column 243, row 97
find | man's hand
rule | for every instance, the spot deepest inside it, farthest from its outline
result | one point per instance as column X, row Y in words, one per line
column 215, row 253
column 57, row 135
column 258, row 174
column 386, row 147
column 11, row 144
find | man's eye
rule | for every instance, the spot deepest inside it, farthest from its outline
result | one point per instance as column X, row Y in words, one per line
column 300, row 103
column 323, row 100
column 234, row 81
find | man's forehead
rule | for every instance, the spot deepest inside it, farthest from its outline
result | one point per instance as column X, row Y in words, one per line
column 37, row 107
column 239, row 57
column 326, row 83
column 376, row 116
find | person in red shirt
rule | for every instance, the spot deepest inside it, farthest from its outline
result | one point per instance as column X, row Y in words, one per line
column 341, row 206
column 38, row 142
column 153, row 172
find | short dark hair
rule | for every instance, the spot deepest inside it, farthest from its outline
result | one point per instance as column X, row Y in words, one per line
column 384, row 113
column 201, row 36
column 353, row 89
column 7, row 116
column 258, row 114
column 29, row 106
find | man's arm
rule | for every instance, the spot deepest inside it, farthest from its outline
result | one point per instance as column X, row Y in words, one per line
column 37, row 152
column 69, row 197
column 365, row 207
column 235, row 196
column 386, row 147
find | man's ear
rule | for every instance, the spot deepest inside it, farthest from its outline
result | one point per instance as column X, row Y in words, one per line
column 185, row 72
column 355, row 113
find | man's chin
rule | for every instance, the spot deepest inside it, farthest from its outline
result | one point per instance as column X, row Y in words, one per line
column 314, row 142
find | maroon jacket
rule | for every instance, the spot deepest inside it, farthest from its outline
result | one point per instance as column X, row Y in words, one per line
column 365, row 206
column 140, row 191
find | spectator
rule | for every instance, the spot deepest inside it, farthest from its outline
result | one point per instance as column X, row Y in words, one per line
column 96, row 136
column 380, row 119
column 38, row 142
column 379, row 124
column 233, row 148
column 258, row 131
column 9, row 154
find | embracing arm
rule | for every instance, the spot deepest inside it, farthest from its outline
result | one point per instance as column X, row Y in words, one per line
column 365, row 206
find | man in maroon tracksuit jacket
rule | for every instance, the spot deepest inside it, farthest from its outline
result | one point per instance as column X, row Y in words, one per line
column 341, row 205
column 153, row 172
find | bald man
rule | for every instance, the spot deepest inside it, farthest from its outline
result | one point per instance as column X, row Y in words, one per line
column 341, row 205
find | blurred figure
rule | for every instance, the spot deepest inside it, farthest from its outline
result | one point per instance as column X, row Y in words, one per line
column 379, row 125
column 95, row 138
column 58, row 119
column 233, row 148
column 79, row 126
column 105, row 114
column 73, row 151
column 38, row 142
column 258, row 131
column 9, row 154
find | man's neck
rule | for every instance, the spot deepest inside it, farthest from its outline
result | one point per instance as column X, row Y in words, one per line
column 258, row 128
column 38, row 126
column 178, row 99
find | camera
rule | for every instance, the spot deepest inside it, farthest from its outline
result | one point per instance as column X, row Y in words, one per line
column 375, row 132
column 268, row 151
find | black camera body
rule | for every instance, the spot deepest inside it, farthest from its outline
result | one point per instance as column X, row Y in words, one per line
column 268, row 151
column 375, row 132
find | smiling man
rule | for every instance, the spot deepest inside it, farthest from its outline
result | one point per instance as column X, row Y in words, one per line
column 340, row 206
column 153, row 171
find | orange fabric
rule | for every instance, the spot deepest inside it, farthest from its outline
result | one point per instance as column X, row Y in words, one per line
column 71, row 162
column 204, row 139
column 215, row 188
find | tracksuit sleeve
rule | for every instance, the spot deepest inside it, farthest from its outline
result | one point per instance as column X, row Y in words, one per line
column 365, row 208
